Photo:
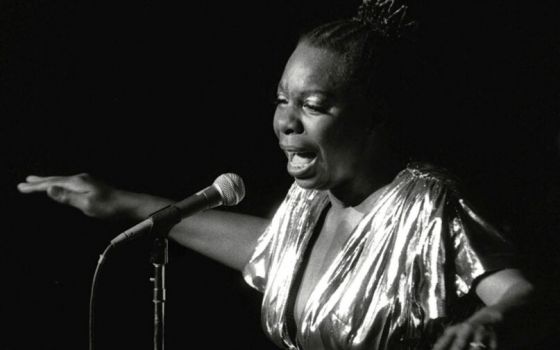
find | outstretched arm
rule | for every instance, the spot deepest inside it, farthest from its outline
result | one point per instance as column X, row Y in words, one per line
column 224, row 236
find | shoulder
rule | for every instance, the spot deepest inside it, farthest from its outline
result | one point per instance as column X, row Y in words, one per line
column 424, row 184
column 428, row 173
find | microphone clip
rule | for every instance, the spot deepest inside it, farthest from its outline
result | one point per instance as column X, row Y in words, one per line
column 164, row 219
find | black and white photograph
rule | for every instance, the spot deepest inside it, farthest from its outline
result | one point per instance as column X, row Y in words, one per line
column 301, row 175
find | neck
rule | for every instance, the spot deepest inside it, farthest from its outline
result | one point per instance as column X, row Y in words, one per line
column 345, row 197
column 381, row 163
column 386, row 166
column 356, row 193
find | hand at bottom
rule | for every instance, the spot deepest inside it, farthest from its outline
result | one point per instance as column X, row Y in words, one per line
column 468, row 336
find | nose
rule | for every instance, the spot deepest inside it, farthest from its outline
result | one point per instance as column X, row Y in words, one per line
column 287, row 121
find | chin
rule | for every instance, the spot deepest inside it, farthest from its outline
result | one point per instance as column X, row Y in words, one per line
column 312, row 183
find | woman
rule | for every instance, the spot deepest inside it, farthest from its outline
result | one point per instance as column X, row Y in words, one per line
column 354, row 258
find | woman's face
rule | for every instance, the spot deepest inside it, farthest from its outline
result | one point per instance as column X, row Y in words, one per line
column 322, row 122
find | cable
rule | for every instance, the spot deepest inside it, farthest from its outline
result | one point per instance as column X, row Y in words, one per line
column 92, row 294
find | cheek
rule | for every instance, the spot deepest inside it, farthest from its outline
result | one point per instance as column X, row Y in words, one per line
column 275, row 126
column 345, row 147
column 344, row 137
column 335, row 148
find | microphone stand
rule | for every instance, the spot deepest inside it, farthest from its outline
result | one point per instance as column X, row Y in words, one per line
column 163, row 220
column 159, row 258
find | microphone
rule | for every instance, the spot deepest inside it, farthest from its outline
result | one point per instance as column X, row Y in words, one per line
column 228, row 189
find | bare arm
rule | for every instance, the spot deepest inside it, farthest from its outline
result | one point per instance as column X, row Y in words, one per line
column 224, row 236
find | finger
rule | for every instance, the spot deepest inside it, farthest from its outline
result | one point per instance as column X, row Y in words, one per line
column 37, row 183
column 36, row 178
column 445, row 341
column 41, row 186
column 463, row 337
column 65, row 196
column 72, row 183
column 480, row 338
column 26, row 187
column 487, row 337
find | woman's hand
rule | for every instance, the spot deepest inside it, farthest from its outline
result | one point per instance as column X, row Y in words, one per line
column 508, row 297
column 81, row 191
column 468, row 335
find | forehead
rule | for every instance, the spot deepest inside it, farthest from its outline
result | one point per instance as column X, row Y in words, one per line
column 313, row 68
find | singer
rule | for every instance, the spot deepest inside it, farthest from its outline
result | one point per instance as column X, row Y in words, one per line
column 365, row 252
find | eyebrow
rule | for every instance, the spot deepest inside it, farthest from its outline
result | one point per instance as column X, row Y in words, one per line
column 281, row 88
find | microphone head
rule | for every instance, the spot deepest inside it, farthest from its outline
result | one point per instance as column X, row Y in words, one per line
column 231, row 187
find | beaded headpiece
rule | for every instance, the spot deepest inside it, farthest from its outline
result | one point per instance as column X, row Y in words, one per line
column 384, row 17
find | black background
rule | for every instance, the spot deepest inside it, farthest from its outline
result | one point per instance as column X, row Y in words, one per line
column 162, row 97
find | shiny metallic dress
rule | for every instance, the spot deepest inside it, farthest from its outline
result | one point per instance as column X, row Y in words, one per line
column 404, row 273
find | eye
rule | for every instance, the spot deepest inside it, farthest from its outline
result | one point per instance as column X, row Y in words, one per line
column 280, row 100
column 315, row 108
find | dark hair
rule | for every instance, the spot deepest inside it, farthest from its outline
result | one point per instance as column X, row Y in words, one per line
column 355, row 42
column 380, row 51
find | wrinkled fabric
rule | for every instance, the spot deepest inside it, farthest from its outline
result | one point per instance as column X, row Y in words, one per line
column 402, row 275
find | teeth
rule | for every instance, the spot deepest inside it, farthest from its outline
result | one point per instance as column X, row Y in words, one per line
column 300, row 159
column 291, row 156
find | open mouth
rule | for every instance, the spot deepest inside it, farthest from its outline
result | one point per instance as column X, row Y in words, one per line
column 300, row 160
